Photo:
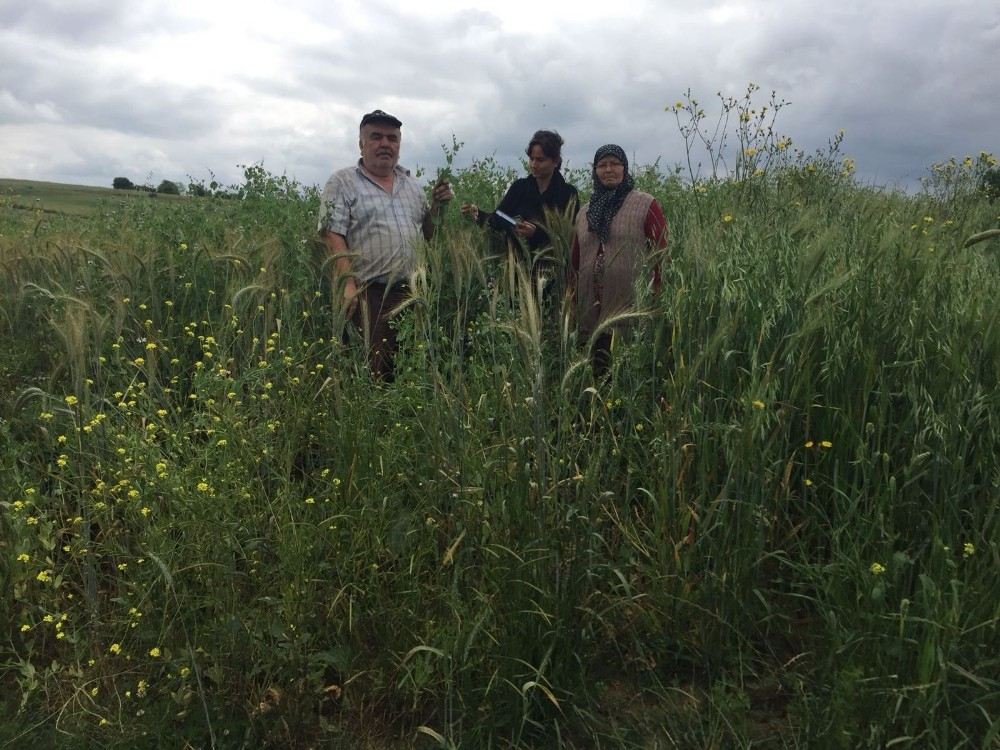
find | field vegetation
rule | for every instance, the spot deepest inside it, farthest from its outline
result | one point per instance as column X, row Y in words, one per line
column 774, row 525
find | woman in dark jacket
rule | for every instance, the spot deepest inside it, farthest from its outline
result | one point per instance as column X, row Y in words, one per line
column 528, row 198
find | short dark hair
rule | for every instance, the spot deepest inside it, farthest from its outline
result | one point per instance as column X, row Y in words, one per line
column 550, row 142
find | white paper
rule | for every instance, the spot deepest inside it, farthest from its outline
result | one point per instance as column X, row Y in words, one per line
column 505, row 217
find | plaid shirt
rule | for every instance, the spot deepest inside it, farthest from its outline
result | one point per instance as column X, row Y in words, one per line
column 380, row 228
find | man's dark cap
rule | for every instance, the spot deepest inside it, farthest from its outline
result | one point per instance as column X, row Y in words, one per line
column 379, row 116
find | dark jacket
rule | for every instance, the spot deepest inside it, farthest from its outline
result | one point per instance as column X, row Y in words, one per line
column 523, row 200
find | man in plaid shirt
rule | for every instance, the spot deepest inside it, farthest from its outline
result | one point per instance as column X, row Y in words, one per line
column 371, row 215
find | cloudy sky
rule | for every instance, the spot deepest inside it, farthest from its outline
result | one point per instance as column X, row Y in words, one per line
column 167, row 89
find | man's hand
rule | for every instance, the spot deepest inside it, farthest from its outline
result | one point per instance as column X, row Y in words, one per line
column 470, row 210
column 442, row 194
column 350, row 298
column 342, row 274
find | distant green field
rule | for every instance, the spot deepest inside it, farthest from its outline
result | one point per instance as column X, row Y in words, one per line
column 54, row 197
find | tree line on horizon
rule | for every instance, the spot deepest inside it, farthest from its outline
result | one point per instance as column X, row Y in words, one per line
column 989, row 185
column 169, row 187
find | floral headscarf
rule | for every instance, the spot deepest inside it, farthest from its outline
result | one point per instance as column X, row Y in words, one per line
column 605, row 201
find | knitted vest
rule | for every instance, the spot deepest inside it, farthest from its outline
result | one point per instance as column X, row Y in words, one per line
column 598, row 295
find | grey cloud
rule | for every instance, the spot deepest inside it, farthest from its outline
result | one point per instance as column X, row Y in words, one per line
column 63, row 85
column 903, row 83
column 908, row 82
column 84, row 23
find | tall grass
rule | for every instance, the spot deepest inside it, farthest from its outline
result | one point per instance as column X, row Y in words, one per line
column 775, row 524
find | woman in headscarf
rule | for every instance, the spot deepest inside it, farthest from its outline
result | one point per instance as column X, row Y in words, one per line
column 528, row 198
column 618, row 232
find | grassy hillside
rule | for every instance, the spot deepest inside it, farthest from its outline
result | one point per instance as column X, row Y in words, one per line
column 59, row 198
column 775, row 525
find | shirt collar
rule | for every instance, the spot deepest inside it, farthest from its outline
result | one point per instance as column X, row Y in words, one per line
column 398, row 170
